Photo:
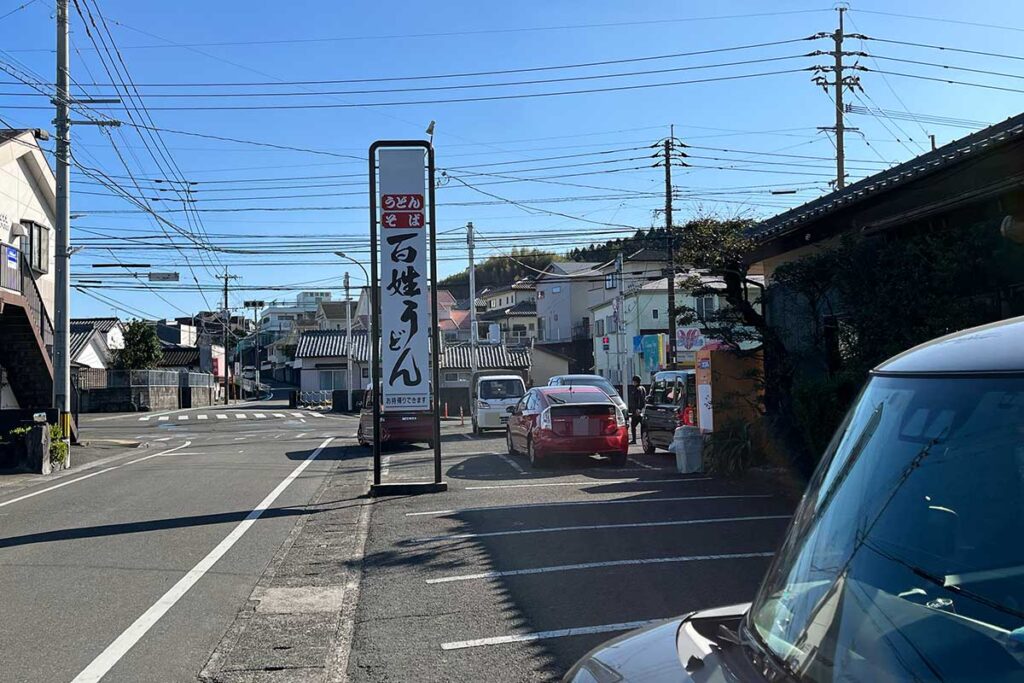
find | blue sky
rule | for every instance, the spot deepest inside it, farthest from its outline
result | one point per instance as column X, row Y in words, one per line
column 512, row 139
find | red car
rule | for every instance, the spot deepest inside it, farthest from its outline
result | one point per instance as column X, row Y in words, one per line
column 395, row 427
column 567, row 420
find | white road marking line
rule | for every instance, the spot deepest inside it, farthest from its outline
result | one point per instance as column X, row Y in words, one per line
column 259, row 416
column 183, row 417
column 385, row 465
column 593, row 527
column 300, row 435
column 591, row 482
column 614, row 501
column 90, row 475
column 279, row 415
column 597, row 565
column 546, row 635
column 241, row 416
column 467, row 436
column 221, row 416
column 202, row 417
column 315, row 415
column 296, row 414
column 240, row 438
column 642, row 464
column 511, row 463
column 166, row 438
column 277, row 436
column 146, row 419
column 106, row 660
column 162, row 418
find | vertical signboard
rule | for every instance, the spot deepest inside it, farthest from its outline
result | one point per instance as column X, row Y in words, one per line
column 405, row 320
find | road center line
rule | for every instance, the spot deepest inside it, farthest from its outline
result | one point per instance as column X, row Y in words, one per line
column 584, row 483
column 545, row 635
column 92, row 474
column 562, row 503
column 106, row 660
column 511, row 463
column 593, row 527
column 597, row 565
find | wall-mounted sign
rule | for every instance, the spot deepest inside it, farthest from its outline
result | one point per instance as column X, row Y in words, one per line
column 404, row 313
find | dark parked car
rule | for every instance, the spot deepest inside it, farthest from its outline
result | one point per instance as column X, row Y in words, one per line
column 671, row 403
column 903, row 561
column 395, row 427
column 567, row 420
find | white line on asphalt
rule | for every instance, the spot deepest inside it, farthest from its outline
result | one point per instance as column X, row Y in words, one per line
column 239, row 438
column 259, row 416
column 106, row 660
column 183, row 417
column 467, row 436
column 166, row 438
column 597, row 565
column 296, row 414
column 614, row 501
column 315, row 415
column 221, row 416
column 162, row 418
column 279, row 414
column 592, row 527
column 145, row 419
column 277, row 436
column 545, row 635
column 90, row 475
column 511, row 463
column 300, row 435
column 586, row 483
column 642, row 464
column 240, row 416
column 385, row 465
column 202, row 417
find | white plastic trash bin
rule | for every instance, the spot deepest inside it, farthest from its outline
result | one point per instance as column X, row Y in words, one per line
column 688, row 446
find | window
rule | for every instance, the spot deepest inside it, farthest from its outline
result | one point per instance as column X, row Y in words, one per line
column 530, row 327
column 599, row 328
column 609, row 325
column 366, row 373
column 610, row 281
column 556, row 290
column 654, row 313
column 452, row 377
column 540, row 293
column 706, row 307
column 451, row 336
column 332, row 379
column 38, row 246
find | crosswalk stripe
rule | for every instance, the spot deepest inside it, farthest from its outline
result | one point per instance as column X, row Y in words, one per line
column 221, row 416
column 183, row 417
column 201, row 417
column 315, row 415
column 296, row 414
column 162, row 418
column 279, row 415
column 240, row 416
column 259, row 416
column 144, row 419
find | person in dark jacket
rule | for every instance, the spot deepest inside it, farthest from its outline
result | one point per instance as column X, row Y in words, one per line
column 635, row 403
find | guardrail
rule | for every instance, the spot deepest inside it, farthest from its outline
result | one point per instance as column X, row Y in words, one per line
column 315, row 400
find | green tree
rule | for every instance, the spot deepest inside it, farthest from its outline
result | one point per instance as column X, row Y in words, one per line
column 141, row 347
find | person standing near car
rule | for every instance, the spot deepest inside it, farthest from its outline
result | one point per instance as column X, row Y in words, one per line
column 635, row 402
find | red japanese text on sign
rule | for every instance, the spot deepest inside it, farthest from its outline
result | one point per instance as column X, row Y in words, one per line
column 401, row 202
column 401, row 219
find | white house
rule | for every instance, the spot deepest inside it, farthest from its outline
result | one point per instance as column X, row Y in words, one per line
column 110, row 329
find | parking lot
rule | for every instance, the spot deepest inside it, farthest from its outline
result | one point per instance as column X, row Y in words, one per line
column 515, row 573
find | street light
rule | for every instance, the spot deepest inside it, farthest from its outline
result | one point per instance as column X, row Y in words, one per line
column 348, row 320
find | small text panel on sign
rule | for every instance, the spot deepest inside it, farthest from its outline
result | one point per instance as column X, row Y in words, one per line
column 402, row 219
column 401, row 202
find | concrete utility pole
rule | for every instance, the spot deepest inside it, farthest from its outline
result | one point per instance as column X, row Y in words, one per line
column 227, row 325
column 620, row 325
column 256, row 307
column 840, row 148
column 670, row 238
column 348, row 342
column 472, row 305
column 62, row 253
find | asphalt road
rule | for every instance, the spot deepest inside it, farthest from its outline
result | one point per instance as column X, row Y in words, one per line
column 85, row 557
column 513, row 574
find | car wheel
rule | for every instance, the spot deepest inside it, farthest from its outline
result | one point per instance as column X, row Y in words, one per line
column 508, row 442
column 618, row 459
column 645, row 440
column 536, row 461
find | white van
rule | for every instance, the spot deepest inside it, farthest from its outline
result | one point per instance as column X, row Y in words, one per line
column 493, row 398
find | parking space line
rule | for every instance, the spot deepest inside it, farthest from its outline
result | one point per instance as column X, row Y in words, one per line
column 597, row 565
column 566, row 503
column 545, row 635
column 584, row 483
column 511, row 463
column 595, row 527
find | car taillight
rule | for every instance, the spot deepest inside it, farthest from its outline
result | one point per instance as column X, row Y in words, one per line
column 545, row 419
column 610, row 424
column 620, row 418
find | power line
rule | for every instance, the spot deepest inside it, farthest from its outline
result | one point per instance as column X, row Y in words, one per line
column 945, row 48
column 960, row 22
column 949, row 81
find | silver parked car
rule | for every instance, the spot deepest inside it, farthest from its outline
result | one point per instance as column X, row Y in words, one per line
column 591, row 381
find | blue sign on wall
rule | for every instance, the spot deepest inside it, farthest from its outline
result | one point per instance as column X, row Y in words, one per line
column 651, row 352
column 637, row 348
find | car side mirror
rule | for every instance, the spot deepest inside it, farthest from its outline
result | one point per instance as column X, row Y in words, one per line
column 510, row 409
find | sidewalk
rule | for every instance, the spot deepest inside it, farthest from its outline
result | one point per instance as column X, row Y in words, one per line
column 93, row 453
column 298, row 620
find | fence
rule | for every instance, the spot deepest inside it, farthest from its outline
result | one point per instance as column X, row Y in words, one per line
column 102, row 390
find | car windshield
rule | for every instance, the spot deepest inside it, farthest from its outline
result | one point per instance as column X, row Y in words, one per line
column 602, row 384
column 496, row 389
column 569, row 396
column 904, row 562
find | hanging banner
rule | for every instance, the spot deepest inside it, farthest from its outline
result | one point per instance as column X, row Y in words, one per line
column 404, row 312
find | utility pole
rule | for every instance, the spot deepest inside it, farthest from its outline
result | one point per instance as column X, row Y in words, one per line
column 620, row 325
column 839, row 83
column 472, row 307
column 62, row 316
column 348, row 343
column 256, row 306
column 226, row 317
column 670, row 238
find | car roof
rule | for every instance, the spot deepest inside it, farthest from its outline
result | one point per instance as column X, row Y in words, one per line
column 579, row 376
column 489, row 377
column 576, row 389
column 993, row 348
